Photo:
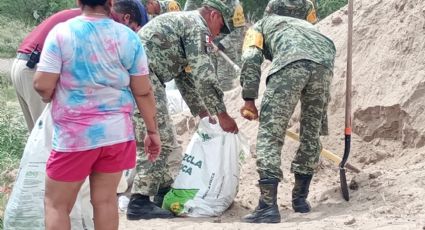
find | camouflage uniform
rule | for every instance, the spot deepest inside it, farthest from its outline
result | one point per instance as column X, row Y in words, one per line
column 232, row 44
column 192, row 5
column 177, row 46
column 301, row 69
column 168, row 6
column 302, row 9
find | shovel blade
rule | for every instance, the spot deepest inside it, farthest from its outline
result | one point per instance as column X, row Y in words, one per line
column 344, row 185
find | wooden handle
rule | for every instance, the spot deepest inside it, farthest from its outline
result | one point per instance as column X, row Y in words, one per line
column 325, row 153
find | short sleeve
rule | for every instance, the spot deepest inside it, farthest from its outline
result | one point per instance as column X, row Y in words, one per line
column 51, row 55
column 140, row 60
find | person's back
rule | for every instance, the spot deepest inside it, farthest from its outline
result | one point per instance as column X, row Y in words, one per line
column 172, row 32
column 302, row 9
column 288, row 39
column 90, row 83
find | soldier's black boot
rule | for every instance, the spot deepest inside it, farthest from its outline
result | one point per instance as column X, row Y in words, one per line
column 140, row 207
column 300, row 193
column 267, row 210
column 159, row 197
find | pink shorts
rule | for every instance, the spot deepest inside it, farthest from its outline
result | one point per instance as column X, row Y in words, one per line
column 76, row 166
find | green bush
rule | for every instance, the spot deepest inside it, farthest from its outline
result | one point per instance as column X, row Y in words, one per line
column 327, row 7
column 13, row 132
column 32, row 12
column 12, row 33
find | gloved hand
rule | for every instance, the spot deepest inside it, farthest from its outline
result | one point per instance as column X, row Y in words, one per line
column 249, row 110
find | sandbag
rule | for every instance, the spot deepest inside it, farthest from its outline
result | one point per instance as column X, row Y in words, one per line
column 175, row 102
column 25, row 207
column 209, row 175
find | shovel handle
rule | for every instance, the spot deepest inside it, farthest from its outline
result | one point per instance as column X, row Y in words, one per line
column 325, row 153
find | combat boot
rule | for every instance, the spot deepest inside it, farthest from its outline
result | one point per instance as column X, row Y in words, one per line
column 140, row 207
column 159, row 197
column 300, row 193
column 267, row 210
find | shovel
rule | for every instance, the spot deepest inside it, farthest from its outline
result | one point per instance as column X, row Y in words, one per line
column 342, row 175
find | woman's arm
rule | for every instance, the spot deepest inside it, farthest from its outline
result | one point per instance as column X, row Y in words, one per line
column 45, row 83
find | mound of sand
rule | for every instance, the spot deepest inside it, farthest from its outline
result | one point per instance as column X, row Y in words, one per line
column 388, row 140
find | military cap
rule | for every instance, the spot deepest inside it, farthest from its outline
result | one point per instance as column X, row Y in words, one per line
column 291, row 8
column 225, row 11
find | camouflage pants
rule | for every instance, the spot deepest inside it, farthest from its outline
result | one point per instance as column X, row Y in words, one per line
column 160, row 174
column 302, row 80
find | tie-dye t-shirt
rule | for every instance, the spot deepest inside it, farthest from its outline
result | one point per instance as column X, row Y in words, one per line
column 92, row 104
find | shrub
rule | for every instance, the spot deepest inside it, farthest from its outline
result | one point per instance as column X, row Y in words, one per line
column 32, row 12
column 12, row 34
column 327, row 7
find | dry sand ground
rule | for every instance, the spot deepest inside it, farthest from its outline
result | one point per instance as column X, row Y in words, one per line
column 388, row 122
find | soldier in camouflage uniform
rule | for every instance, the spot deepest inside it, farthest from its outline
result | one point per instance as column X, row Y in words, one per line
column 301, row 69
column 157, row 7
column 178, row 47
column 302, row 9
column 230, row 44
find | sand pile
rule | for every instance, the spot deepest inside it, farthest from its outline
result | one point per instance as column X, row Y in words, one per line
column 388, row 140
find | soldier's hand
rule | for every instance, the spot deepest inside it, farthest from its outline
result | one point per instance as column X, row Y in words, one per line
column 227, row 123
column 152, row 146
column 207, row 114
column 249, row 111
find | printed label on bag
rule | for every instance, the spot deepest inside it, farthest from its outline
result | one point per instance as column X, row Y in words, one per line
column 192, row 162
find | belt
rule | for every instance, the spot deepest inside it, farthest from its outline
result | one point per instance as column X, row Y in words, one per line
column 23, row 56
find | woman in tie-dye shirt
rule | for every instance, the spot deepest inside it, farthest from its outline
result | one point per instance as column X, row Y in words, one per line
column 92, row 70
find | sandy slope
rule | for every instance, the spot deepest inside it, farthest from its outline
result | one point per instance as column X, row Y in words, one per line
column 388, row 105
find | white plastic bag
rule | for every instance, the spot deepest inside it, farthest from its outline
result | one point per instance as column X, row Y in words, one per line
column 25, row 207
column 209, row 175
column 175, row 102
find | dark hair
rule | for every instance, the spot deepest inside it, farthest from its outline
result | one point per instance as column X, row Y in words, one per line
column 93, row 3
column 128, row 7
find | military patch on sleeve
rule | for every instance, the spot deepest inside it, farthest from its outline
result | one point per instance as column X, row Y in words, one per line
column 253, row 38
column 312, row 17
column 238, row 17
column 173, row 6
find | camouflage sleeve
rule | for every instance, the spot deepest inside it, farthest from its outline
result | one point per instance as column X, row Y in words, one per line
column 186, row 86
column 232, row 38
column 203, row 72
column 252, row 57
column 192, row 5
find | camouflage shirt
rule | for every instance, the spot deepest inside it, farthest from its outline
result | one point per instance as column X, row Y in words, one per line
column 302, row 9
column 180, row 42
column 282, row 40
column 192, row 4
column 195, row 4
column 168, row 6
